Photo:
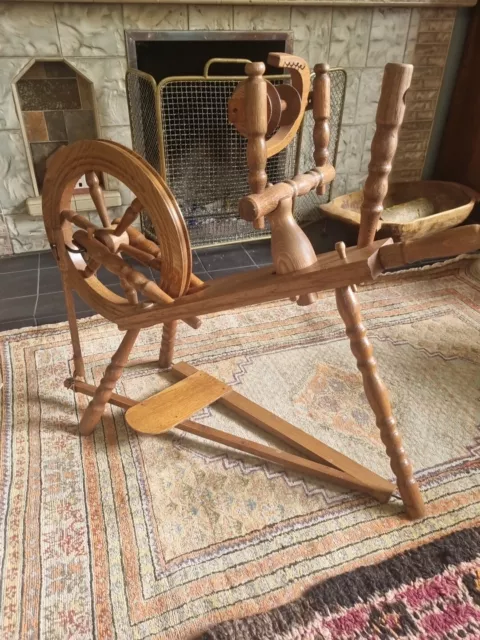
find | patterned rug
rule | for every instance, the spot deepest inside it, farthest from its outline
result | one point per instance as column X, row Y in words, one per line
column 126, row 536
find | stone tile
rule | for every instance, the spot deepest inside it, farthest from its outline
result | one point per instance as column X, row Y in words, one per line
column 17, row 324
column 350, row 148
column 368, row 95
column 351, row 95
column 350, row 34
column 55, row 121
column 261, row 18
column 123, row 136
column 15, row 180
column 355, row 181
column 6, row 248
column 90, row 30
column 311, row 33
column 108, row 77
column 28, row 29
column 58, row 69
column 210, row 17
column 388, row 36
column 41, row 151
column 367, row 144
column 339, row 186
column 37, row 70
column 430, row 55
column 86, row 91
column 260, row 252
column 9, row 68
column 27, row 233
column 80, row 125
column 35, row 126
column 51, row 93
column 162, row 17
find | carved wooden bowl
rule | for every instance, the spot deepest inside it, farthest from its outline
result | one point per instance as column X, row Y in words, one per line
column 411, row 209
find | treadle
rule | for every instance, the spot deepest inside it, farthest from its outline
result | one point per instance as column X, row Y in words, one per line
column 166, row 409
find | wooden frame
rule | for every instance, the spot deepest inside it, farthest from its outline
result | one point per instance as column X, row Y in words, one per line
column 296, row 273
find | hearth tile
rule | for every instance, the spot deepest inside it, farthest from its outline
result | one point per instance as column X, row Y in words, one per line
column 226, row 257
column 246, row 18
column 17, row 308
column 260, row 252
column 53, row 304
column 51, row 319
column 108, row 77
column 55, row 125
column 50, row 281
column 15, row 182
column 169, row 17
column 17, row 284
column 90, row 30
column 26, row 262
column 28, row 29
column 222, row 273
column 47, row 260
column 388, row 36
column 311, row 33
column 18, row 324
column 51, row 93
column 41, row 151
column 35, row 126
column 350, row 32
column 210, row 18
column 9, row 69
column 80, row 125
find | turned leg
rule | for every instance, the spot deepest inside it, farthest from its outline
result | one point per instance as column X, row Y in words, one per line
column 377, row 396
column 104, row 391
column 168, row 344
column 61, row 250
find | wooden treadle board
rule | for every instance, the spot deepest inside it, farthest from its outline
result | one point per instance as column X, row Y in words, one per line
column 166, row 409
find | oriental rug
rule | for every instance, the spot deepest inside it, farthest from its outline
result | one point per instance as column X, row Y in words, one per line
column 125, row 536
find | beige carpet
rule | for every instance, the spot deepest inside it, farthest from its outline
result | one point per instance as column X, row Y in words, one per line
column 127, row 536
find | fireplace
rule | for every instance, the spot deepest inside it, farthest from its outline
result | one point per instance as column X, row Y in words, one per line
column 178, row 88
column 90, row 38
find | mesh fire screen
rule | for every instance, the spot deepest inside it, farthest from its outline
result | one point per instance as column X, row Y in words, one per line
column 181, row 128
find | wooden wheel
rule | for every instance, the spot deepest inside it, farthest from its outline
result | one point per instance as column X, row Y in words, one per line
column 88, row 246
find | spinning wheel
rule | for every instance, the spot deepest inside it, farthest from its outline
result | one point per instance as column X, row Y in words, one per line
column 82, row 247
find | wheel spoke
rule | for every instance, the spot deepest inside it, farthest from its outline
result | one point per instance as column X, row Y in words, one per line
column 96, row 193
column 130, row 215
column 78, row 220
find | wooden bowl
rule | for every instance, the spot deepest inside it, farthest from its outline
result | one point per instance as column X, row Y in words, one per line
column 429, row 206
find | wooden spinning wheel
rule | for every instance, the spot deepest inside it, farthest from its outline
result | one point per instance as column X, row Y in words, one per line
column 82, row 247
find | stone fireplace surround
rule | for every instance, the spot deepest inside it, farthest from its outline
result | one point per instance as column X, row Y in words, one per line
column 360, row 37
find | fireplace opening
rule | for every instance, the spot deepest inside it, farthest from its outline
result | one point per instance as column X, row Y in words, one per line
column 178, row 113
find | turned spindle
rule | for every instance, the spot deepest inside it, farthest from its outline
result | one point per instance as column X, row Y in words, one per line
column 96, row 194
column 256, row 120
column 377, row 396
column 129, row 217
column 390, row 112
column 167, row 346
column 321, row 116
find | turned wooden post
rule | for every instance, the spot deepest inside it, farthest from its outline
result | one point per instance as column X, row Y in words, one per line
column 377, row 396
column 169, row 333
column 96, row 194
column 130, row 215
column 256, row 123
column 321, row 116
column 104, row 391
column 390, row 112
